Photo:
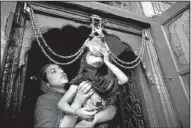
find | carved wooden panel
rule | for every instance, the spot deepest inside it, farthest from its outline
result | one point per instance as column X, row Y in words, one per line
column 164, row 27
column 132, row 7
column 160, row 7
column 131, row 108
column 178, row 36
column 7, row 14
column 186, row 81
column 11, row 77
column 160, row 109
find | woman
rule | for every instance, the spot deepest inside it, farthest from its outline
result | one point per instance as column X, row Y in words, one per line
column 53, row 82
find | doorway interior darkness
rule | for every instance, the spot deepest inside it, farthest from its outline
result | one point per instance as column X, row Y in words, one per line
column 64, row 41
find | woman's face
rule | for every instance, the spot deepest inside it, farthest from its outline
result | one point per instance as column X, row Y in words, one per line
column 56, row 76
column 93, row 60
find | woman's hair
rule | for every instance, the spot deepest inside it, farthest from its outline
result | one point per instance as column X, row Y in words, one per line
column 42, row 73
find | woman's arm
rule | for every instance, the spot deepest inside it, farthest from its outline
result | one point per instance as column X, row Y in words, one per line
column 122, row 78
column 67, row 98
column 105, row 115
column 83, row 93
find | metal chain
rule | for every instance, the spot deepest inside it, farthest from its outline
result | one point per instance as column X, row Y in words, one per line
column 35, row 33
column 44, row 42
column 130, row 67
column 80, row 51
column 137, row 58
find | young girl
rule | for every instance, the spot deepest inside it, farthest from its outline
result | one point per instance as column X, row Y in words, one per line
column 103, row 83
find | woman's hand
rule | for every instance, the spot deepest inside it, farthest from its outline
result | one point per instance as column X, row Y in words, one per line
column 84, row 113
column 83, row 93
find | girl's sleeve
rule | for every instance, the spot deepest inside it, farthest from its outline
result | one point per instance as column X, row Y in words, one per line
column 77, row 80
column 109, row 81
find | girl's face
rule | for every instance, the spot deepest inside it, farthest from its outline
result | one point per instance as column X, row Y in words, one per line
column 56, row 76
column 93, row 60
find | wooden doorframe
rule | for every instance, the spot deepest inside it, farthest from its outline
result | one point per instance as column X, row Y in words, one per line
column 179, row 99
column 11, row 80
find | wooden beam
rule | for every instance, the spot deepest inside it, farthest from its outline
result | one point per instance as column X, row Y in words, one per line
column 7, row 27
column 11, row 81
column 169, row 14
column 81, row 14
column 97, row 6
column 172, row 80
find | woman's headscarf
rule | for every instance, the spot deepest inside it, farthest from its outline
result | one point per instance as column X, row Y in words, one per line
column 42, row 73
column 43, row 81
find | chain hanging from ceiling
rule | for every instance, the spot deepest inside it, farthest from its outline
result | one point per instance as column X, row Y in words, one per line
column 96, row 23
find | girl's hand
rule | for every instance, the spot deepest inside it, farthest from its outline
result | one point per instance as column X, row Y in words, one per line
column 84, row 113
column 105, row 54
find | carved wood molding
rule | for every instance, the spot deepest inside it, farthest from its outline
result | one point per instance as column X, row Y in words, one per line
column 155, row 78
column 11, row 79
column 109, row 10
column 78, row 16
column 147, row 97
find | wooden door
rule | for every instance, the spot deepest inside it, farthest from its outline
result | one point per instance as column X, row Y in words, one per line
column 172, row 40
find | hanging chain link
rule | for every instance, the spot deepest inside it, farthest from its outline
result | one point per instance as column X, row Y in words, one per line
column 136, row 61
column 137, row 58
column 38, row 35
column 133, row 66
column 37, row 31
column 44, row 42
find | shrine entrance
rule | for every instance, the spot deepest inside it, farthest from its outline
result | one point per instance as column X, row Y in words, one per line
column 144, row 101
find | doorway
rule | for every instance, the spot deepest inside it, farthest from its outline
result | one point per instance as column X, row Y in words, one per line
column 64, row 41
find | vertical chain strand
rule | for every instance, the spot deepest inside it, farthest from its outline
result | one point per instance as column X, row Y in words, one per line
column 38, row 35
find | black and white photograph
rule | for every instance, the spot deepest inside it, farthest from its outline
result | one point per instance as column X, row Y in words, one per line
column 95, row 64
